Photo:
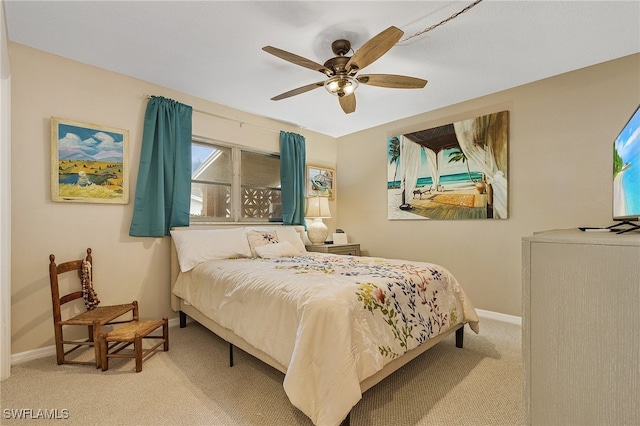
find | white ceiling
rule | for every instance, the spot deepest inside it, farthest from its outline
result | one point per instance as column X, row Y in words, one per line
column 212, row 49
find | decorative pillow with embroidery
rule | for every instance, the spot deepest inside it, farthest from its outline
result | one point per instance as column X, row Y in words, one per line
column 284, row 233
column 261, row 238
column 283, row 249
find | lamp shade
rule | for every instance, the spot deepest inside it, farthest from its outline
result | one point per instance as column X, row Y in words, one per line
column 317, row 207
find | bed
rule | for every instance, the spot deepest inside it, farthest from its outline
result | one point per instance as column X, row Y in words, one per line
column 334, row 325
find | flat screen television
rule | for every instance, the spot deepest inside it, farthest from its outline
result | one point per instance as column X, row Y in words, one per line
column 626, row 175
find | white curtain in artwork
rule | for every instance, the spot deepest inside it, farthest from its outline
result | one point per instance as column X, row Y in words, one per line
column 434, row 169
column 410, row 154
column 482, row 156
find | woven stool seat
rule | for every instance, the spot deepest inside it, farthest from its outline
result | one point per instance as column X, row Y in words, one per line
column 127, row 333
column 133, row 333
column 102, row 314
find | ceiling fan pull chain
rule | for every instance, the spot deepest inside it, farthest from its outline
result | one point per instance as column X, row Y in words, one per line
column 455, row 15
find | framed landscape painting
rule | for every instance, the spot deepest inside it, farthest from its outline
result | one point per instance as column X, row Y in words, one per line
column 89, row 163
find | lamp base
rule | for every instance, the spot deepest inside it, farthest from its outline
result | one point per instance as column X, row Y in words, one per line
column 317, row 232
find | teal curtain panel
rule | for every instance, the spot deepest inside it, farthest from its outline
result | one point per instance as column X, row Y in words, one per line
column 293, row 159
column 163, row 189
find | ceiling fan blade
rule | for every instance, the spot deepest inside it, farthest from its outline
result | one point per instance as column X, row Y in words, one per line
column 374, row 49
column 298, row 91
column 298, row 60
column 391, row 80
column 348, row 103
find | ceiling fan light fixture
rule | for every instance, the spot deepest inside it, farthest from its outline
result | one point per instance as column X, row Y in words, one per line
column 341, row 85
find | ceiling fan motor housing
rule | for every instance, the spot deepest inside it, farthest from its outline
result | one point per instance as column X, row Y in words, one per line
column 338, row 65
column 341, row 47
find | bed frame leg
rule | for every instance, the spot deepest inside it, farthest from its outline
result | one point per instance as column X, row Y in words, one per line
column 460, row 337
column 347, row 420
column 183, row 319
column 230, row 354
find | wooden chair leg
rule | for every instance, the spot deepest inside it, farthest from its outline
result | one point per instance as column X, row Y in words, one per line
column 104, row 360
column 165, row 333
column 96, row 330
column 137, row 347
column 59, row 346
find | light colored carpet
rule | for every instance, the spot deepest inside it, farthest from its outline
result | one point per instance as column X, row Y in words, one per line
column 192, row 384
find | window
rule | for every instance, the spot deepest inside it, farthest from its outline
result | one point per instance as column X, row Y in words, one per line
column 229, row 183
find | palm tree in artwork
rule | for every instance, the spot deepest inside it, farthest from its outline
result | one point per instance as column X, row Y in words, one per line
column 394, row 154
column 457, row 155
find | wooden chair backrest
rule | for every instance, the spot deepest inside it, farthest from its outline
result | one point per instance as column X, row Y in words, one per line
column 62, row 268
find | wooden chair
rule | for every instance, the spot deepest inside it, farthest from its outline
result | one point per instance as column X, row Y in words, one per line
column 93, row 319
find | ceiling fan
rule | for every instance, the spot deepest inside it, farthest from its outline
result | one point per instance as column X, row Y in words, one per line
column 342, row 70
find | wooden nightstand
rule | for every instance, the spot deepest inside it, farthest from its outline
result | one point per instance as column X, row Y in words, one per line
column 348, row 249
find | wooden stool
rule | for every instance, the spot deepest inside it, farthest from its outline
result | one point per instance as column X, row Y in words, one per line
column 132, row 334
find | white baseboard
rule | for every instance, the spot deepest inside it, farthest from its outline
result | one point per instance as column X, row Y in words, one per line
column 21, row 357
column 499, row 317
column 174, row 322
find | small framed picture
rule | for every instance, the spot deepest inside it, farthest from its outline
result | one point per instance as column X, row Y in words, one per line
column 321, row 181
column 340, row 238
column 89, row 163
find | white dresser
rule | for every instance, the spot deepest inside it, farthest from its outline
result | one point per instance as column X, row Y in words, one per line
column 581, row 328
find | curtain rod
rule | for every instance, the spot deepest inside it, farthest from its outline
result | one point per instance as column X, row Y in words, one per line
column 240, row 122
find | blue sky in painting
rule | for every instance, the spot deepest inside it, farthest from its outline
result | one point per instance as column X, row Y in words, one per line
column 84, row 143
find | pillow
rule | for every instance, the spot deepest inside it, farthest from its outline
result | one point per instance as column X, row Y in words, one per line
column 197, row 246
column 285, row 233
column 283, row 249
column 289, row 233
column 259, row 238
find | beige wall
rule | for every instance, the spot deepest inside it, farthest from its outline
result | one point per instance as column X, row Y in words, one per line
column 560, row 172
column 126, row 268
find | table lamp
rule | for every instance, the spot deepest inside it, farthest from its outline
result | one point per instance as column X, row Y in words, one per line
column 317, row 209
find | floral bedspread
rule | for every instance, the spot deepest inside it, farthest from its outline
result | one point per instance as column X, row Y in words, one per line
column 331, row 320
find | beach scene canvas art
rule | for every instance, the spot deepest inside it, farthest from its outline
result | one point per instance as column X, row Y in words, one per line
column 455, row 171
column 88, row 163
